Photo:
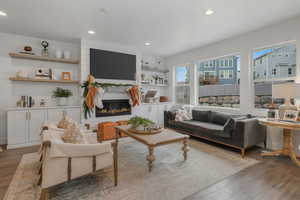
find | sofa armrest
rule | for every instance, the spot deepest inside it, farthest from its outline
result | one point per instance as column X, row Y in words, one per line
column 168, row 116
column 166, row 119
column 250, row 131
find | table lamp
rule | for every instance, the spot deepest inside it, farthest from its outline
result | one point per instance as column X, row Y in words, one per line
column 286, row 91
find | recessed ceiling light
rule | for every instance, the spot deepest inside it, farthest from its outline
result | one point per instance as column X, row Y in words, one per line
column 147, row 43
column 2, row 13
column 91, row 32
column 209, row 12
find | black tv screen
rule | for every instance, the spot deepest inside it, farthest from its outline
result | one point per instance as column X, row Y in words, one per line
column 112, row 65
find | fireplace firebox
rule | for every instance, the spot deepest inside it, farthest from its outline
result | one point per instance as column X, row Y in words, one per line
column 114, row 107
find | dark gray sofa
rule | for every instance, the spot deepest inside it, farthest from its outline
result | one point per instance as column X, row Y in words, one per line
column 237, row 131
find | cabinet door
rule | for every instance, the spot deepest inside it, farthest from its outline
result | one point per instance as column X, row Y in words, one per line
column 17, row 127
column 140, row 111
column 55, row 115
column 36, row 120
column 160, row 114
column 153, row 113
column 74, row 113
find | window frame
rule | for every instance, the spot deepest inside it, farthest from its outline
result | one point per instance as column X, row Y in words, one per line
column 221, row 59
column 252, row 64
column 274, row 78
column 189, row 84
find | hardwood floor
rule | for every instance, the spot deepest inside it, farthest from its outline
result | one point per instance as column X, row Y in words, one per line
column 9, row 161
column 273, row 178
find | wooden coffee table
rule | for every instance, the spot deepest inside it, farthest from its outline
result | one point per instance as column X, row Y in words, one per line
column 167, row 136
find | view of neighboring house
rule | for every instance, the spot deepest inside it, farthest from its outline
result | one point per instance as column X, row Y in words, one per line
column 275, row 63
column 219, row 71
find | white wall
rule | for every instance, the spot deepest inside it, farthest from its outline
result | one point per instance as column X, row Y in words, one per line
column 244, row 45
column 11, row 91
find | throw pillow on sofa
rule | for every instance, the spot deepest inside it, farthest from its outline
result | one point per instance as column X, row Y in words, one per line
column 229, row 126
column 73, row 134
column 182, row 115
column 64, row 122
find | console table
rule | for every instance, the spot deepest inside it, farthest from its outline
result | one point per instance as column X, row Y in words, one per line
column 288, row 148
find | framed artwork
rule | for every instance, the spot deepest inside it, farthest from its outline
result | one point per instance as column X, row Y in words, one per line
column 291, row 115
column 273, row 115
column 66, row 76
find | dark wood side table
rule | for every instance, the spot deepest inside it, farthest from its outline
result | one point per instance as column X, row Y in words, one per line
column 288, row 147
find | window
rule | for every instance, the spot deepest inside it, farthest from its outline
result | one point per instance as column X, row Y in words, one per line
column 275, row 68
column 220, row 86
column 182, row 85
column 226, row 74
column 209, row 75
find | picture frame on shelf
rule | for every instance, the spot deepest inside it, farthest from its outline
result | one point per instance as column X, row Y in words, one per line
column 273, row 114
column 66, row 76
column 291, row 115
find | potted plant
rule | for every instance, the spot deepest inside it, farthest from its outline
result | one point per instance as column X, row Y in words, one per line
column 62, row 96
column 139, row 123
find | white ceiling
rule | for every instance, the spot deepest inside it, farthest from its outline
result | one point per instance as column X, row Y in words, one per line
column 171, row 26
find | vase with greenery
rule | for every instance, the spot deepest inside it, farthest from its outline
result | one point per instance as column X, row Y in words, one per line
column 62, row 96
column 140, row 123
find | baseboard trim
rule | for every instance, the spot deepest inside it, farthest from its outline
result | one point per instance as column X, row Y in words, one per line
column 15, row 146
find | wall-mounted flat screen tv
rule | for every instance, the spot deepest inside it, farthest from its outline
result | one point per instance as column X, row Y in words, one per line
column 112, row 65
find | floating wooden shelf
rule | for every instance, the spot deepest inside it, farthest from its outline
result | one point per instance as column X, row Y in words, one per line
column 42, row 58
column 43, row 80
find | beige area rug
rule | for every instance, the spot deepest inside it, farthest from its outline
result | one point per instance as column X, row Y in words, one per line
column 171, row 178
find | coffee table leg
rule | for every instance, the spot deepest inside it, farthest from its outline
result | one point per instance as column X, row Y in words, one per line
column 185, row 148
column 150, row 158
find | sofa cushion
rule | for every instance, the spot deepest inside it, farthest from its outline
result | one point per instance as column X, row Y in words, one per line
column 201, row 115
column 205, row 125
column 206, row 128
column 219, row 118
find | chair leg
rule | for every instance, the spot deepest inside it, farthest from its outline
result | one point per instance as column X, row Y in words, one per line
column 44, row 194
column 243, row 153
column 115, row 164
column 265, row 144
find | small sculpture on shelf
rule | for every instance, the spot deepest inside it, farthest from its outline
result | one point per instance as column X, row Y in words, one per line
column 27, row 50
column 45, row 51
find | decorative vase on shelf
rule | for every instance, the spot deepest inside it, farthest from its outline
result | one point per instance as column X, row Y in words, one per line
column 67, row 54
column 58, row 54
column 62, row 96
column 62, row 101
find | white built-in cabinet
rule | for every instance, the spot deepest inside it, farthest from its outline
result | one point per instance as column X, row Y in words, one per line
column 154, row 112
column 24, row 125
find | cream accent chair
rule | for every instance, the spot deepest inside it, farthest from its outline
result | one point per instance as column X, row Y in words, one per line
column 61, row 162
